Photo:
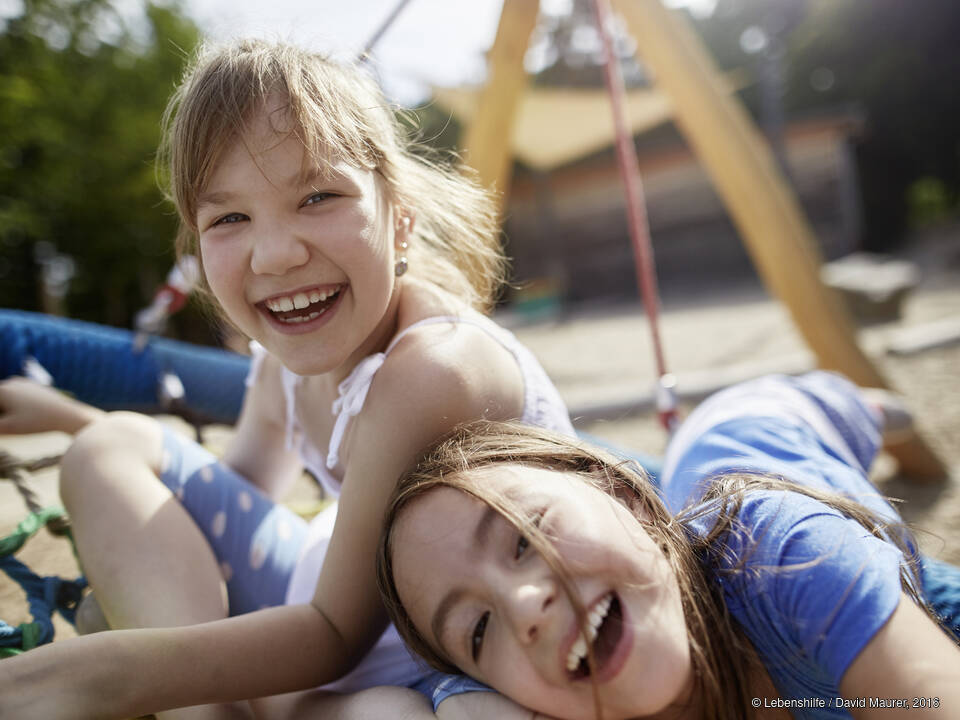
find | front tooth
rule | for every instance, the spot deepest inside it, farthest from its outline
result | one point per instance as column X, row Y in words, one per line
column 285, row 304
column 300, row 301
column 578, row 651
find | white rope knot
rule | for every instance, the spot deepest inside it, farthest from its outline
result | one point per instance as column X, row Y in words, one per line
column 352, row 394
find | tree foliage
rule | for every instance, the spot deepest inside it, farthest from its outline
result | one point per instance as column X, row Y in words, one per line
column 900, row 62
column 82, row 91
column 895, row 61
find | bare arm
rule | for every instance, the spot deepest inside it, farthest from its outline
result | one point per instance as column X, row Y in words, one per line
column 417, row 396
column 29, row 407
column 910, row 657
column 128, row 673
column 485, row 706
column 257, row 450
column 376, row 703
column 400, row 703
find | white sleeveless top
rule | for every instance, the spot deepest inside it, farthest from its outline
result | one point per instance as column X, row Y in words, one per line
column 388, row 663
column 542, row 405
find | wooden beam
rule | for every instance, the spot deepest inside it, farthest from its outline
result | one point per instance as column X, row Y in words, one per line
column 488, row 138
column 757, row 197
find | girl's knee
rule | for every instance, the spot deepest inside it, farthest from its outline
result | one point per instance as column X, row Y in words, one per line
column 119, row 440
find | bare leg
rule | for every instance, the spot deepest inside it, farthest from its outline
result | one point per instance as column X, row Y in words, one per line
column 90, row 617
column 147, row 561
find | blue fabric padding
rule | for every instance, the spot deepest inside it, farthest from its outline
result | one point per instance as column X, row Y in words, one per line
column 99, row 365
column 941, row 586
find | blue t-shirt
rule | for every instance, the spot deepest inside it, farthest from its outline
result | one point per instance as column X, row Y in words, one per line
column 816, row 586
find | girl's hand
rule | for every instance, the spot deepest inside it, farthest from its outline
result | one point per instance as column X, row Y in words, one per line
column 28, row 407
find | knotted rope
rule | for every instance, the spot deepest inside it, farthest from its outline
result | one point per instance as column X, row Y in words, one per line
column 44, row 594
column 18, row 471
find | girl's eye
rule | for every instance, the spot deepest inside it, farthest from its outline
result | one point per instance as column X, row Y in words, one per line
column 476, row 639
column 229, row 219
column 522, row 545
column 522, row 542
column 318, row 198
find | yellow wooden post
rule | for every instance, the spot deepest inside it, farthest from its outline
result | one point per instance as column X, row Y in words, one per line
column 488, row 138
column 759, row 200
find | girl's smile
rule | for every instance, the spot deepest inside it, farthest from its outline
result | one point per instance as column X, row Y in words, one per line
column 499, row 611
column 300, row 257
column 296, row 312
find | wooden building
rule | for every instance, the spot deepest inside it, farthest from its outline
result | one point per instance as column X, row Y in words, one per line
column 566, row 226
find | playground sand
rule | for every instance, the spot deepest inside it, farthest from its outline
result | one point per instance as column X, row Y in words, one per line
column 602, row 362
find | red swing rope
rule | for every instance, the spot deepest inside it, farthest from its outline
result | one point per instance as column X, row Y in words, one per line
column 636, row 206
column 636, row 216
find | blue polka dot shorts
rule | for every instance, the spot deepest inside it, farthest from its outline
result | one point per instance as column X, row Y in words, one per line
column 255, row 540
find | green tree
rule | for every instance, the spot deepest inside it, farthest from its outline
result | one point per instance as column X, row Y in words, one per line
column 895, row 61
column 899, row 61
column 82, row 91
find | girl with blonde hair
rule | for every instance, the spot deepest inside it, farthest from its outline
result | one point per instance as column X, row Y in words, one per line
column 362, row 273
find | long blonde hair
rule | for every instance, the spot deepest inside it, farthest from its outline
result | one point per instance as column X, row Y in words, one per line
column 337, row 111
column 725, row 664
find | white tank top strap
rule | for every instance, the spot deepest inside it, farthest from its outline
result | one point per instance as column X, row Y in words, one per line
column 352, row 392
column 542, row 404
column 435, row 320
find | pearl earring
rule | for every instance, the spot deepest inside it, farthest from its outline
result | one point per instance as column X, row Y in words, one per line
column 401, row 267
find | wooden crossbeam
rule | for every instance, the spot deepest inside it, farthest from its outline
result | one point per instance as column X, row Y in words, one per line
column 487, row 142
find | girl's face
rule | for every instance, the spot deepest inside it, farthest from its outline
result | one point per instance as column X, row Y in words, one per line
column 483, row 597
column 301, row 262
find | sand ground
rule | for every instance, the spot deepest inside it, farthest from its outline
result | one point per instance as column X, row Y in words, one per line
column 601, row 360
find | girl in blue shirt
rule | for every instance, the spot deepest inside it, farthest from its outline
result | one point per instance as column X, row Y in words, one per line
column 769, row 579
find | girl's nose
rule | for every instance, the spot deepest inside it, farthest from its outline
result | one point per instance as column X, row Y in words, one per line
column 277, row 252
column 530, row 606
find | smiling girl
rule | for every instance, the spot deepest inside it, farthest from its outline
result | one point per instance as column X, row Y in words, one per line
column 361, row 272
column 770, row 580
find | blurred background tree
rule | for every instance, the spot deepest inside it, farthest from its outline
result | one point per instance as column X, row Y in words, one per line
column 900, row 62
column 896, row 62
column 82, row 90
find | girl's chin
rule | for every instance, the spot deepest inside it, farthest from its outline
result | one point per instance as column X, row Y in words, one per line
column 306, row 364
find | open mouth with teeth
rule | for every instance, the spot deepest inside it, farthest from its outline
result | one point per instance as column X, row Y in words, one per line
column 604, row 630
column 302, row 307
